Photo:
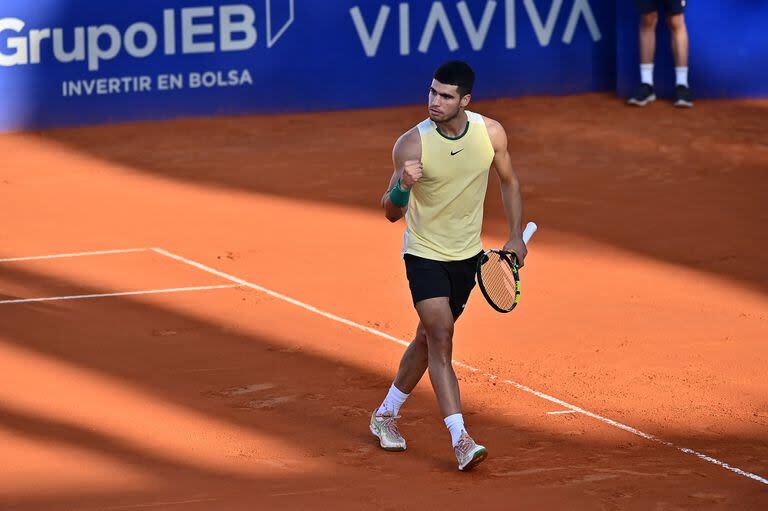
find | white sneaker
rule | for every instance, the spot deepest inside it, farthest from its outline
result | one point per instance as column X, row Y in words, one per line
column 468, row 453
column 384, row 427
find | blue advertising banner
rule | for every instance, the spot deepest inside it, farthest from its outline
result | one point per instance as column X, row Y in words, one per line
column 72, row 62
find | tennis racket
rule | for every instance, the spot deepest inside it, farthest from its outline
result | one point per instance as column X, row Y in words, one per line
column 498, row 277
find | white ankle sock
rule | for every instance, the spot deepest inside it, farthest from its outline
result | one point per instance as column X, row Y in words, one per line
column 682, row 75
column 646, row 73
column 455, row 424
column 394, row 400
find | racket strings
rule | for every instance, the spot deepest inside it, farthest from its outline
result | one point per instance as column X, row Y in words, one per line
column 499, row 281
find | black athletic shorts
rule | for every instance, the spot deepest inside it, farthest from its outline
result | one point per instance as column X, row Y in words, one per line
column 671, row 6
column 430, row 279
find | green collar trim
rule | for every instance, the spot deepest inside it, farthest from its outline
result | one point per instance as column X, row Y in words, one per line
column 466, row 129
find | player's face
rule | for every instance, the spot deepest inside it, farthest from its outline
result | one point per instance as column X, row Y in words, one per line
column 445, row 101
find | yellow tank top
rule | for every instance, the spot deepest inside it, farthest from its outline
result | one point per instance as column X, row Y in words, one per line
column 445, row 209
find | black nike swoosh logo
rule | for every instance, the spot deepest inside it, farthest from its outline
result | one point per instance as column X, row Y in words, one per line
column 457, row 152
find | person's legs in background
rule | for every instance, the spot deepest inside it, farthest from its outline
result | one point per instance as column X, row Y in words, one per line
column 648, row 21
column 679, row 35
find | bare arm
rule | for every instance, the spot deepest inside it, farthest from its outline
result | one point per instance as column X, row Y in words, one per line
column 510, row 189
column 406, row 151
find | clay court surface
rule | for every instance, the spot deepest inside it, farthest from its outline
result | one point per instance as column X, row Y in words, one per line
column 645, row 301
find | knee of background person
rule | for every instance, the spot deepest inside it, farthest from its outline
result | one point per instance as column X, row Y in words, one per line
column 648, row 20
column 676, row 23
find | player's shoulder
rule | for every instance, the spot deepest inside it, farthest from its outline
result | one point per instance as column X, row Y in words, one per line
column 496, row 132
column 408, row 145
column 412, row 135
column 492, row 125
column 410, row 138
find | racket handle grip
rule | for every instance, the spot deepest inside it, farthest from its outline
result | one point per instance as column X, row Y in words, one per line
column 530, row 228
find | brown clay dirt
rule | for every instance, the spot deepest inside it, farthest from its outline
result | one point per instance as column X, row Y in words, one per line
column 645, row 300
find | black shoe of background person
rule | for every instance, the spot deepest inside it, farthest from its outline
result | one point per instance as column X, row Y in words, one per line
column 683, row 97
column 644, row 95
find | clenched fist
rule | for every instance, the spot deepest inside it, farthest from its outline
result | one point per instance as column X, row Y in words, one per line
column 412, row 171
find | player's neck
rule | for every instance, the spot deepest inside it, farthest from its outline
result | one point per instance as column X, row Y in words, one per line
column 455, row 126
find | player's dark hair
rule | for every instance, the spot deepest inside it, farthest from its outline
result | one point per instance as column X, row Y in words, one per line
column 456, row 73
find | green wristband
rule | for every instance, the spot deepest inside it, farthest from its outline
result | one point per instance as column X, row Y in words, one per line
column 399, row 197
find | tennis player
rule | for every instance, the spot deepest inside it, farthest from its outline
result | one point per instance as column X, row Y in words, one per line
column 439, row 185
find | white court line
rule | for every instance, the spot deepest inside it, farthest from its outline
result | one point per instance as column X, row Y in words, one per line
column 78, row 254
column 519, row 386
column 637, row 432
column 124, row 293
column 561, row 412
column 288, row 299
